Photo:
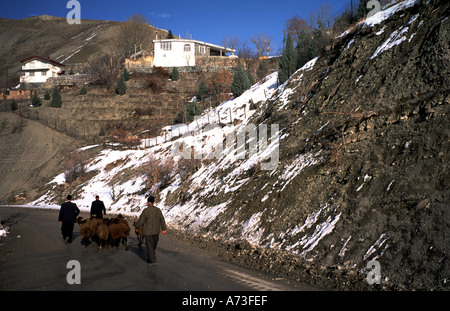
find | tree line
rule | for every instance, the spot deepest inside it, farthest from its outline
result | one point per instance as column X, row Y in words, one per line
column 304, row 39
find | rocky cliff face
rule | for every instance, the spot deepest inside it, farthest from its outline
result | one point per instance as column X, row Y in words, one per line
column 363, row 170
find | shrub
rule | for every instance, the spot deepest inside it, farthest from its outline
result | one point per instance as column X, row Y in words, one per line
column 14, row 105
column 35, row 100
column 179, row 118
column 262, row 70
column 75, row 166
column 202, row 91
column 47, row 95
column 175, row 74
column 192, row 110
column 155, row 85
column 56, row 98
column 157, row 173
column 121, row 87
column 83, row 90
column 241, row 82
column 126, row 74
column 161, row 73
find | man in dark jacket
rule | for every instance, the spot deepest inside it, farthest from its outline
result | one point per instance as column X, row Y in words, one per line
column 153, row 222
column 98, row 208
column 67, row 217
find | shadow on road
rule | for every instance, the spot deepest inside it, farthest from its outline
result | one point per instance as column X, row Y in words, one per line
column 137, row 249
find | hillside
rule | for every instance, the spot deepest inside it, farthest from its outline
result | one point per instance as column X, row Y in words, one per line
column 363, row 154
column 31, row 153
column 53, row 37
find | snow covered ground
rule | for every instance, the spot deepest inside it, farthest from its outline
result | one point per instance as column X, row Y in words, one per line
column 202, row 135
column 3, row 231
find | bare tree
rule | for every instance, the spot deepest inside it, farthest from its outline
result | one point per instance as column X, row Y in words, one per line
column 75, row 165
column 132, row 36
column 263, row 44
column 104, row 69
column 157, row 173
column 246, row 54
column 295, row 26
column 322, row 18
column 231, row 42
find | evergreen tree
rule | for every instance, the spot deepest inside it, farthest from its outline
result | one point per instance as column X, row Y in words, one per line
column 202, row 91
column 175, row 74
column 288, row 61
column 319, row 41
column 14, row 105
column 361, row 10
column 179, row 118
column 121, row 87
column 241, row 82
column 102, row 131
column 56, row 101
column 262, row 70
column 343, row 21
column 35, row 100
column 46, row 95
column 170, row 35
column 304, row 48
column 192, row 110
column 250, row 80
column 126, row 74
column 83, row 90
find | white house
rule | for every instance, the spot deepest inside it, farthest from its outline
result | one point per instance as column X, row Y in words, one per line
column 184, row 52
column 37, row 69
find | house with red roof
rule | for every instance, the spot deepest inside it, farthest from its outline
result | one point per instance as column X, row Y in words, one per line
column 37, row 69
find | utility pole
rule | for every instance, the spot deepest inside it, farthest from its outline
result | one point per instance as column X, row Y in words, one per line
column 351, row 10
column 6, row 76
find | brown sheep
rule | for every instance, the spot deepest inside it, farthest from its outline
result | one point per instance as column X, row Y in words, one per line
column 102, row 232
column 95, row 222
column 118, row 231
column 126, row 229
column 85, row 230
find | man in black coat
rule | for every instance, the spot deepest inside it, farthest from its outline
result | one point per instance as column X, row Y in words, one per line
column 98, row 208
column 67, row 217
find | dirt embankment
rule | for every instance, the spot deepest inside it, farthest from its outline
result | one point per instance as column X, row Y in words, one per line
column 31, row 154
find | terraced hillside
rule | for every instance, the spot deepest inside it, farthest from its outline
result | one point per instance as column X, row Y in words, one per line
column 53, row 37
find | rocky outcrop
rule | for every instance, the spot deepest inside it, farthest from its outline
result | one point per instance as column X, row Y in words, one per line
column 363, row 170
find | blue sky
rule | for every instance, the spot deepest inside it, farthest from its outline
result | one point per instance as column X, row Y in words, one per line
column 204, row 20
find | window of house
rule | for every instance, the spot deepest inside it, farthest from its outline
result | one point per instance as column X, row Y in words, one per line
column 166, row 46
column 201, row 49
column 31, row 73
column 187, row 47
column 43, row 73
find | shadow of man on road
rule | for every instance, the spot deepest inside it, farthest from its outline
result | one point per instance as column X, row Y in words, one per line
column 137, row 249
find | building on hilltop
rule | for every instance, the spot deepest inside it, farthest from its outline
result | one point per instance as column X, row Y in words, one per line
column 185, row 52
column 37, row 69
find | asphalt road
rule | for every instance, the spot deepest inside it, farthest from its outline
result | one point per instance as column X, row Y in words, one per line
column 33, row 257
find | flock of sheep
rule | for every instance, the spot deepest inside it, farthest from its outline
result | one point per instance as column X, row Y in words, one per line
column 105, row 231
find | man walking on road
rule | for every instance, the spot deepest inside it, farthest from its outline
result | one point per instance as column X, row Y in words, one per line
column 153, row 223
column 67, row 217
column 97, row 208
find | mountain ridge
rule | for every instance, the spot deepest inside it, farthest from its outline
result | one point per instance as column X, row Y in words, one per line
column 52, row 37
